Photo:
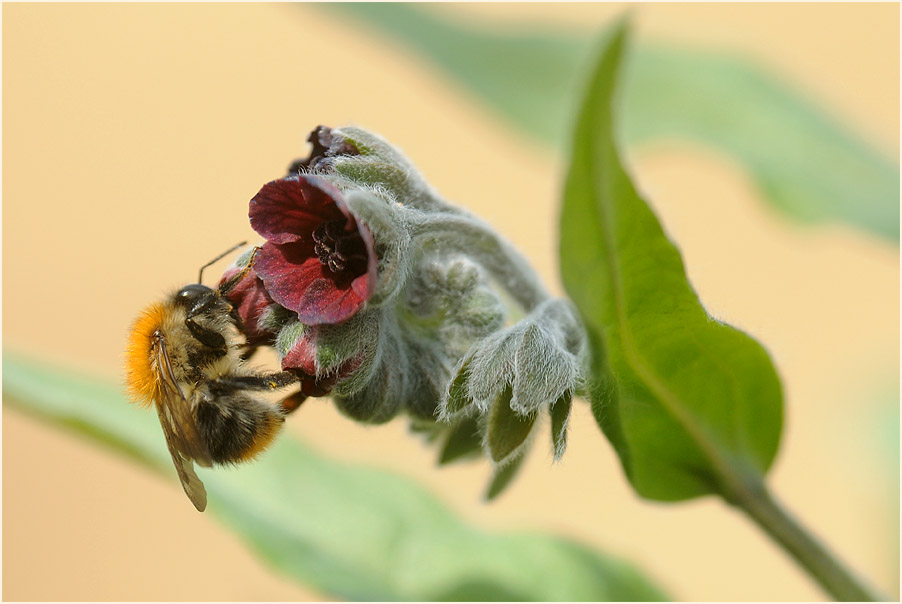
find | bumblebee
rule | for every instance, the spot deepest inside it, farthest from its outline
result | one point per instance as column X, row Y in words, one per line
column 188, row 356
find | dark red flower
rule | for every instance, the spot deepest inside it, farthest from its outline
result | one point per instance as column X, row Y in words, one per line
column 318, row 260
column 251, row 300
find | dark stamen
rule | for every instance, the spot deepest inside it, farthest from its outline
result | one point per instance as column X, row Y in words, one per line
column 331, row 241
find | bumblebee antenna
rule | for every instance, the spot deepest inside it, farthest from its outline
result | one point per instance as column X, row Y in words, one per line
column 200, row 275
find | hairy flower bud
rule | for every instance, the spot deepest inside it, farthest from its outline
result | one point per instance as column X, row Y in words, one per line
column 534, row 357
column 324, row 146
column 376, row 290
column 376, row 163
column 379, row 387
column 383, row 218
column 514, row 373
column 452, row 298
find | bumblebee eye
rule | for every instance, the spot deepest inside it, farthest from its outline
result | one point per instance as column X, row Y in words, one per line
column 190, row 295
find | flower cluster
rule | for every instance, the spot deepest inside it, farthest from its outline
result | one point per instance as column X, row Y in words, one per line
column 375, row 290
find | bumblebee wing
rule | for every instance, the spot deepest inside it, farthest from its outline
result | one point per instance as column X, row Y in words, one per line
column 192, row 485
column 182, row 434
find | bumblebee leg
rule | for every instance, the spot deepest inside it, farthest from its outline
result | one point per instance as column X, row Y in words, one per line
column 292, row 403
column 272, row 381
column 208, row 337
column 208, row 303
column 269, row 381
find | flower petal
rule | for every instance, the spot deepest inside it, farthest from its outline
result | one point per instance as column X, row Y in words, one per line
column 251, row 301
column 287, row 270
column 323, row 302
column 289, row 209
column 296, row 279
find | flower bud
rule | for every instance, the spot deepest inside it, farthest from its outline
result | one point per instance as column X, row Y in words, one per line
column 452, row 297
column 378, row 388
column 533, row 357
column 374, row 289
column 514, row 373
column 365, row 159
column 324, row 146
column 430, row 370
column 384, row 219
column 330, row 353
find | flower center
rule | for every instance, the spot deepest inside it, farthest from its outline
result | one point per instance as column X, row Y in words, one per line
column 336, row 247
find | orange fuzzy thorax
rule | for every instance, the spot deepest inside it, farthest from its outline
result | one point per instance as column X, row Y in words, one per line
column 140, row 371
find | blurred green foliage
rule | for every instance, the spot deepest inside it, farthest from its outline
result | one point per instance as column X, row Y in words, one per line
column 804, row 162
column 352, row 532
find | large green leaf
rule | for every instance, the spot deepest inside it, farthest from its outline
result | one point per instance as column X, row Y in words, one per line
column 352, row 532
column 804, row 162
column 693, row 406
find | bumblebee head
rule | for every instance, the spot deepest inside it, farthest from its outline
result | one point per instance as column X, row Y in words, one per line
column 194, row 295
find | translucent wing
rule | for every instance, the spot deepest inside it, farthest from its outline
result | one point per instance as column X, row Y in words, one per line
column 180, row 429
column 175, row 413
column 192, row 485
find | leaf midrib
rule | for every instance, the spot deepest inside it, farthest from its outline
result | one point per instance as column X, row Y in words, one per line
column 670, row 401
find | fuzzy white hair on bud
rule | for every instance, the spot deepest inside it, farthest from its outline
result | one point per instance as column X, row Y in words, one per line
column 432, row 338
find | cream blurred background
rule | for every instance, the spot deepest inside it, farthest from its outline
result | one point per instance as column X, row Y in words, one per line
column 134, row 136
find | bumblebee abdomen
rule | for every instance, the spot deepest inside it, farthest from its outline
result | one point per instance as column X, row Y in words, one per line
column 235, row 426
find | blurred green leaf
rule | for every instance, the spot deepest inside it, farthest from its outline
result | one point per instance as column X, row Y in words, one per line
column 691, row 405
column 503, row 475
column 352, row 532
column 464, row 440
column 805, row 163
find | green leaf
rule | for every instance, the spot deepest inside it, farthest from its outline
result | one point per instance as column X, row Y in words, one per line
column 804, row 162
column 464, row 440
column 350, row 531
column 458, row 396
column 507, row 430
column 503, row 475
column 692, row 405
column 560, row 419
